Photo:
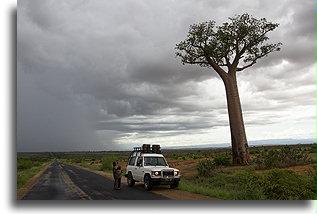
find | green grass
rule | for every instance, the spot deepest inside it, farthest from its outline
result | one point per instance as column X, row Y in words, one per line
column 276, row 184
column 221, row 186
column 25, row 174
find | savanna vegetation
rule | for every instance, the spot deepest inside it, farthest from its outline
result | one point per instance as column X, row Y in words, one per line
column 274, row 172
column 28, row 165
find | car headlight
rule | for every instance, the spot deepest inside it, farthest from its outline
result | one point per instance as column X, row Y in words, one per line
column 176, row 173
column 156, row 173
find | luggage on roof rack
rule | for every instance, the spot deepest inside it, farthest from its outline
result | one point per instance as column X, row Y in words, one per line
column 156, row 149
column 146, row 148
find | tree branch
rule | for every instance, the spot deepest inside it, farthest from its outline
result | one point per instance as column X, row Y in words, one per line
column 245, row 47
column 219, row 70
column 247, row 66
column 228, row 64
column 196, row 62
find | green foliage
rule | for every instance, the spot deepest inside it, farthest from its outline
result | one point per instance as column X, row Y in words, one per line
column 279, row 158
column 243, row 38
column 29, row 166
column 222, row 161
column 27, row 163
column 206, row 168
column 187, row 156
column 182, row 158
column 286, row 185
column 106, row 162
column 194, row 156
column 275, row 184
column 23, row 164
column 239, row 186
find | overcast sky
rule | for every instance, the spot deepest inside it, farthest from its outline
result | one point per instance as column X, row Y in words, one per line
column 102, row 75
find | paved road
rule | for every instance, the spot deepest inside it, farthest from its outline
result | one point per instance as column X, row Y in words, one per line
column 66, row 182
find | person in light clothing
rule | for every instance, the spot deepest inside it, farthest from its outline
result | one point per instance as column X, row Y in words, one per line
column 117, row 180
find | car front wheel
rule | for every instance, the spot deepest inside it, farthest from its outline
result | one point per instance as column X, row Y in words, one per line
column 147, row 183
column 130, row 180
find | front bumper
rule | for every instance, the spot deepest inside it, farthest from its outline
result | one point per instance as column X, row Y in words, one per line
column 158, row 181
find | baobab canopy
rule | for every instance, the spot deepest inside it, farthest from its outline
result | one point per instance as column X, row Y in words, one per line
column 240, row 40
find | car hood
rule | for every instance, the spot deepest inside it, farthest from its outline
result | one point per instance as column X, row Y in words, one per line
column 160, row 168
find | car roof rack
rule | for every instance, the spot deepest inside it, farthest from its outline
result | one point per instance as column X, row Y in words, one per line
column 137, row 149
column 147, row 148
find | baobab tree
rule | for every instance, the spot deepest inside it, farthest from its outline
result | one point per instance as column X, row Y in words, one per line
column 227, row 49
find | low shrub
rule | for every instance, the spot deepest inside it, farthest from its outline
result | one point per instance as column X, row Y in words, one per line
column 284, row 157
column 312, row 149
column 206, row 168
column 275, row 184
column 194, row 156
column 222, row 161
column 106, row 162
column 287, row 185
column 24, row 164
column 182, row 158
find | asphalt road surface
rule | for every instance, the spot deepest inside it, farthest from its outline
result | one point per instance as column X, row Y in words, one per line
column 66, row 182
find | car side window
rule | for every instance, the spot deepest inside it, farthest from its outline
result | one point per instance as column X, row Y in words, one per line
column 139, row 162
column 132, row 161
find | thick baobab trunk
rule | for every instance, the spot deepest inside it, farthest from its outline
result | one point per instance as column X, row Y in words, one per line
column 240, row 154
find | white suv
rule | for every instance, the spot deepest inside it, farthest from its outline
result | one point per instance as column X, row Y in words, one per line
column 147, row 165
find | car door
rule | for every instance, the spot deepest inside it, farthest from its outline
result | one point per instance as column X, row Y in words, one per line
column 131, row 164
column 138, row 169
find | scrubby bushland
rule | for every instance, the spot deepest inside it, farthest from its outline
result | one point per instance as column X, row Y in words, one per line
column 208, row 168
column 27, row 168
column 23, row 164
column 106, row 162
column 287, row 185
column 280, row 158
column 27, row 163
column 194, row 156
column 222, row 161
column 276, row 184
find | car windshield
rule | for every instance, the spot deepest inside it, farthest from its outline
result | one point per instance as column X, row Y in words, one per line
column 154, row 161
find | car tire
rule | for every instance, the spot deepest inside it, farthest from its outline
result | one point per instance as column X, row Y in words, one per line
column 130, row 180
column 147, row 183
column 174, row 185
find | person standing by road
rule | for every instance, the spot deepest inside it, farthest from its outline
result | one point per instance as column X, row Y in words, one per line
column 117, row 181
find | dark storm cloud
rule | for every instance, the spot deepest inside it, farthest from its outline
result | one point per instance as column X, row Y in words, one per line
column 84, row 67
column 148, row 127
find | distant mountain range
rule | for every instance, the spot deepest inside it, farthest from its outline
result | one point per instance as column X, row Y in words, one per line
column 251, row 143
